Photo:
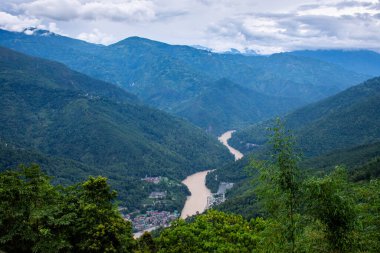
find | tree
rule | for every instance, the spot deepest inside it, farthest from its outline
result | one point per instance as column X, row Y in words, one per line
column 146, row 244
column 211, row 232
column 368, row 216
column 277, row 189
column 330, row 200
column 36, row 216
column 99, row 226
column 30, row 214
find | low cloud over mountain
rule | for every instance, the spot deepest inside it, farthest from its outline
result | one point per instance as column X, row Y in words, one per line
column 265, row 27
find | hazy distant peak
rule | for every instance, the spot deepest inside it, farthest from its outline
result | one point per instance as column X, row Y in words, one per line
column 232, row 51
column 137, row 40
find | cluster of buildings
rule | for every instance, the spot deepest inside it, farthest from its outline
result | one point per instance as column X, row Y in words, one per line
column 152, row 219
column 215, row 199
column 157, row 195
column 251, row 145
column 219, row 197
column 91, row 97
column 154, row 180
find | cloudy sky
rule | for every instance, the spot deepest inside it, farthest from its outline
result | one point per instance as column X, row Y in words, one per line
column 264, row 26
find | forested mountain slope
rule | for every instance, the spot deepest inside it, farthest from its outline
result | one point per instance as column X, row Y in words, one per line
column 346, row 120
column 49, row 109
column 227, row 105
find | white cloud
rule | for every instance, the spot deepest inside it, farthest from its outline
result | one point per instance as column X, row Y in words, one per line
column 16, row 23
column 97, row 37
column 64, row 10
column 264, row 26
column 52, row 27
column 128, row 10
column 57, row 10
column 341, row 25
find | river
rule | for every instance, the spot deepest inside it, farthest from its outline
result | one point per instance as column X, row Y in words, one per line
column 224, row 139
column 197, row 201
column 196, row 183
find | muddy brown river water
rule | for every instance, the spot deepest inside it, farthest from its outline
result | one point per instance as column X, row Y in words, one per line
column 196, row 183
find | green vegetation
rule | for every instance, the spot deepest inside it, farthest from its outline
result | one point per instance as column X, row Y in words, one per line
column 232, row 172
column 348, row 119
column 367, row 171
column 294, row 213
column 278, row 188
column 175, row 78
column 35, row 216
column 298, row 213
column 212, row 232
column 352, row 158
column 135, row 192
column 225, row 105
column 242, row 200
column 361, row 162
column 333, row 206
column 138, row 195
column 75, row 126
column 66, row 171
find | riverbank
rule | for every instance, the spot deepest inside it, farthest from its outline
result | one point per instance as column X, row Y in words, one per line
column 196, row 183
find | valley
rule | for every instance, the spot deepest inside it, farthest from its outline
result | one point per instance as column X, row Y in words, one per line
column 75, row 126
column 133, row 145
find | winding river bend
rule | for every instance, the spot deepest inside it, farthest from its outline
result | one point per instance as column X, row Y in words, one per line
column 197, row 201
column 224, row 139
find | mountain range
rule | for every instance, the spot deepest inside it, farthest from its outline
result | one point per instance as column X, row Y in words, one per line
column 361, row 61
column 174, row 78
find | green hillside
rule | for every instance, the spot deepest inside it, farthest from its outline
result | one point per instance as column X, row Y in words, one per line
column 352, row 158
column 368, row 171
column 65, row 171
column 58, row 114
column 346, row 120
column 226, row 105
